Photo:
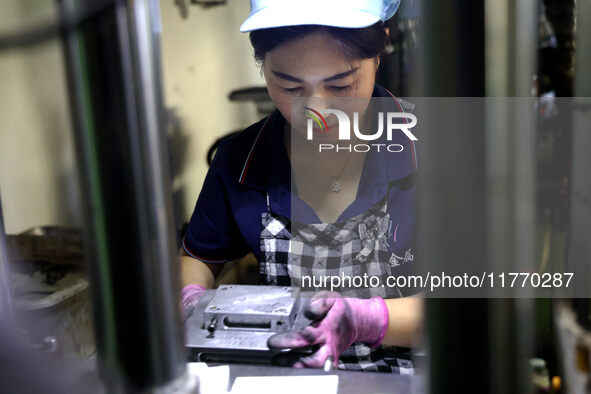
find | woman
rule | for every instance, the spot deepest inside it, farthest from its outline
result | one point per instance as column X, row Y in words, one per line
column 360, row 205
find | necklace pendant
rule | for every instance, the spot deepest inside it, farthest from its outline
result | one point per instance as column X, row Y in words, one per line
column 336, row 185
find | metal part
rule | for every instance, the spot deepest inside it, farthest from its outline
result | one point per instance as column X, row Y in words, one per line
column 258, row 95
column 184, row 9
column 47, row 244
column 113, row 70
column 5, row 296
column 247, row 307
column 208, row 3
column 511, row 44
column 234, row 322
column 44, row 32
column 583, row 53
column 497, row 191
column 211, row 327
column 452, row 333
column 579, row 247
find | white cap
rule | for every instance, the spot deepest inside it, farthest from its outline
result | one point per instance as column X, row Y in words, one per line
column 265, row 14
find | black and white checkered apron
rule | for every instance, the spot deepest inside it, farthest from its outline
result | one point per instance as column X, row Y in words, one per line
column 291, row 250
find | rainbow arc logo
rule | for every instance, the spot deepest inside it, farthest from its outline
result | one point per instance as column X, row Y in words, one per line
column 316, row 117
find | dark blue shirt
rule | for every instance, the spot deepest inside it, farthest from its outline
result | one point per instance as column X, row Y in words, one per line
column 226, row 222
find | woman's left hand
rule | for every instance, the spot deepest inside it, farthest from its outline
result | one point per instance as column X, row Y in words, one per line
column 338, row 322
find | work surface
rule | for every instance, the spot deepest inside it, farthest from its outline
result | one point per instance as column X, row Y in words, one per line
column 349, row 382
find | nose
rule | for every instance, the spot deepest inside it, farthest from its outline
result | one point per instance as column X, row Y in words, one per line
column 317, row 92
column 318, row 99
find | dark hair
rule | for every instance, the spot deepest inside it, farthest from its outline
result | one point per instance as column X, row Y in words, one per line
column 362, row 43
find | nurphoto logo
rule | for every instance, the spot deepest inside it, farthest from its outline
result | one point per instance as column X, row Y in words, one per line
column 344, row 124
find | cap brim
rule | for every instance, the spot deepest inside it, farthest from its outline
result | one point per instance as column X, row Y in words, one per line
column 294, row 16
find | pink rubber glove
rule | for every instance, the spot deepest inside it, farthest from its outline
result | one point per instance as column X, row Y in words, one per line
column 190, row 296
column 338, row 323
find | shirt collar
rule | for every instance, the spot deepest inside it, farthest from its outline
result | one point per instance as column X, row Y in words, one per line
column 267, row 166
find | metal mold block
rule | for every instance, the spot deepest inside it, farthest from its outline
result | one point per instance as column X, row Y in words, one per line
column 234, row 322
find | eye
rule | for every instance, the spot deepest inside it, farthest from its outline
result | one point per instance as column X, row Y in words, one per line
column 292, row 90
column 341, row 89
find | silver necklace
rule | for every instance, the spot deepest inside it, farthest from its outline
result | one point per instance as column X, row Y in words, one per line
column 336, row 184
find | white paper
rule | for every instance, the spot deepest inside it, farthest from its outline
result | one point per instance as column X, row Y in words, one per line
column 212, row 380
column 325, row 384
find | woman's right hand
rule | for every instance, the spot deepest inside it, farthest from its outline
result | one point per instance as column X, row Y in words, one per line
column 190, row 296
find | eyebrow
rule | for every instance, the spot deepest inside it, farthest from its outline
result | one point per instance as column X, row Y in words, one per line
column 329, row 79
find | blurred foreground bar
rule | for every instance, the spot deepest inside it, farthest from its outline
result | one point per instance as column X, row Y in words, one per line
column 113, row 69
column 477, row 345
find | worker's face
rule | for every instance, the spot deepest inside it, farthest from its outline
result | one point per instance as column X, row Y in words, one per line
column 316, row 67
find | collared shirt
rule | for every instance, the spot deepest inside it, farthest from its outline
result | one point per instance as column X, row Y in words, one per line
column 254, row 164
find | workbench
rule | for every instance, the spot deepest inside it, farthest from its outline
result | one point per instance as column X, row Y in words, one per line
column 350, row 382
